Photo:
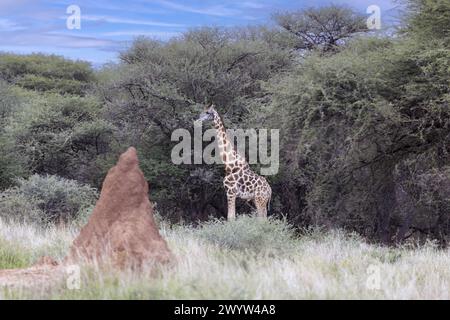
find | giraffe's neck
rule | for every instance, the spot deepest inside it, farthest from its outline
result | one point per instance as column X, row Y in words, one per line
column 230, row 158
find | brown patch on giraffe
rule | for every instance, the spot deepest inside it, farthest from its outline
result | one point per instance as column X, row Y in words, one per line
column 229, row 183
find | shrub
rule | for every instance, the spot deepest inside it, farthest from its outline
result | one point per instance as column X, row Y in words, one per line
column 47, row 73
column 10, row 167
column 62, row 86
column 249, row 233
column 61, row 135
column 46, row 199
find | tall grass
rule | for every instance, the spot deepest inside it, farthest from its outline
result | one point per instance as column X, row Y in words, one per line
column 22, row 244
column 248, row 259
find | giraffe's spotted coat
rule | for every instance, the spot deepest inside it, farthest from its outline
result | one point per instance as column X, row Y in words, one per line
column 240, row 181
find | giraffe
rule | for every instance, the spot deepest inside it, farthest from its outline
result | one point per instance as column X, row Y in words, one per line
column 240, row 180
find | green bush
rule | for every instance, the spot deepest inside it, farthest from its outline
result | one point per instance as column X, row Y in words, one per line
column 61, row 135
column 248, row 233
column 15, row 206
column 62, row 86
column 47, row 73
column 46, row 199
column 10, row 167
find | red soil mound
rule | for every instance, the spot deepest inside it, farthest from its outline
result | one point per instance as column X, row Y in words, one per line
column 120, row 232
column 122, row 229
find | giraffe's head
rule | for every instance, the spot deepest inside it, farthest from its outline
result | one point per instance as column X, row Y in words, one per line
column 208, row 113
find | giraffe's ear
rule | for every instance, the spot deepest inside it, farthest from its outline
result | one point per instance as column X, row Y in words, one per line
column 211, row 107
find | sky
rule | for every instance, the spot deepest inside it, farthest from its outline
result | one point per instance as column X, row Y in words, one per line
column 109, row 26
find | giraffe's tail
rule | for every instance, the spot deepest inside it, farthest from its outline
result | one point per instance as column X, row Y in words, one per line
column 268, row 203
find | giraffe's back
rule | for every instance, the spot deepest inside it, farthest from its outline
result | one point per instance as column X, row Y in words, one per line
column 247, row 185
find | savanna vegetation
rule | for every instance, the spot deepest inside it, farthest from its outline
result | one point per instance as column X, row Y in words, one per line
column 243, row 259
column 363, row 115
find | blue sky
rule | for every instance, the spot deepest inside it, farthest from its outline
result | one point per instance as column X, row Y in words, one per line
column 110, row 26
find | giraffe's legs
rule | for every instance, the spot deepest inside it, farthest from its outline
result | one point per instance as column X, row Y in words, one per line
column 231, row 207
column 261, row 207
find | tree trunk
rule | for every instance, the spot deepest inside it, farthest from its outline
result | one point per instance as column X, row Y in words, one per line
column 386, row 202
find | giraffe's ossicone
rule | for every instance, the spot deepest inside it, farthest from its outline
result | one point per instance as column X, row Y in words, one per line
column 240, row 181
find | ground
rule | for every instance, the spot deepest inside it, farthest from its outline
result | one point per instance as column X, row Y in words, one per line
column 244, row 259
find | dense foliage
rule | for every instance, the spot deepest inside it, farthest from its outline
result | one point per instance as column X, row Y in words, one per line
column 364, row 117
column 46, row 73
column 46, row 199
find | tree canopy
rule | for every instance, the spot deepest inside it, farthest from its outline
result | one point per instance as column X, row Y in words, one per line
column 322, row 28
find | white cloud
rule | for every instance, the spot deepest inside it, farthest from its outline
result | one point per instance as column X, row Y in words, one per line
column 218, row 10
column 155, row 34
column 111, row 19
column 128, row 6
column 253, row 4
column 8, row 25
column 56, row 40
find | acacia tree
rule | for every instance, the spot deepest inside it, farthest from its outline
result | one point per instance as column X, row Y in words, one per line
column 10, row 166
column 367, row 134
column 160, row 88
column 321, row 28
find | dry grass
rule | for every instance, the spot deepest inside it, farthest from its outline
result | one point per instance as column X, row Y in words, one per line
column 325, row 266
column 22, row 244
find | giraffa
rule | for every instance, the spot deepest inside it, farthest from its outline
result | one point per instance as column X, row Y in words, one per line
column 240, row 181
